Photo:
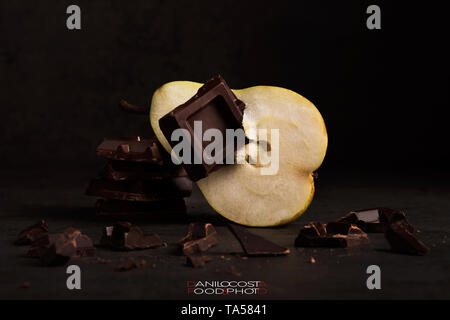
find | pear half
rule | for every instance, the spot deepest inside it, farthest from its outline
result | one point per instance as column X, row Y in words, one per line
column 240, row 192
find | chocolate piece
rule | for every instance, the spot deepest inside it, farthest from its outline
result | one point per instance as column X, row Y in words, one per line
column 141, row 190
column 130, row 264
column 402, row 240
column 59, row 252
column 215, row 106
column 375, row 220
column 32, row 233
column 161, row 209
column 125, row 236
column 255, row 245
column 134, row 171
column 197, row 261
column 39, row 246
column 201, row 236
column 139, row 149
column 83, row 245
column 333, row 235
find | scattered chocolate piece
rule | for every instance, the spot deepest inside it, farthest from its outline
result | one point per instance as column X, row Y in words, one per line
column 375, row 220
column 201, row 236
column 161, row 209
column 125, row 236
column 214, row 106
column 84, row 246
column 255, row 245
column 402, row 240
column 25, row 285
column 32, row 233
column 197, row 261
column 137, row 149
column 164, row 189
column 57, row 248
column 59, row 252
column 332, row 235
column 130, row 264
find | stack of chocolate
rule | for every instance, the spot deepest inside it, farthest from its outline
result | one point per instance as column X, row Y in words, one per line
column 138, row 179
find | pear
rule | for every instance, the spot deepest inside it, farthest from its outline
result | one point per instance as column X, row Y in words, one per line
column 239, row 192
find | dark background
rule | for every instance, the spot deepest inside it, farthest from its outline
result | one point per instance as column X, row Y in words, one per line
column 383, row 93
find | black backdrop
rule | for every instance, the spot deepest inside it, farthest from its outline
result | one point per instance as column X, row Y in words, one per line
column 383, row 93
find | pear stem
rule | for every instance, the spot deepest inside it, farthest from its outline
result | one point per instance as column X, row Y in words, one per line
column 128, row 107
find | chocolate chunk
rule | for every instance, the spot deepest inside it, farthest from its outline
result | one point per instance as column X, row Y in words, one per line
column 135, row 171
column 201, row 236
column 39, row 246
column 32, row 233
column 197, row 261
column 138, row 149
column 332, row 235
column 375, row 220
column 58, row 248
column 402, row 240
column 59, row 252
column 130, row 264
column 161, row 209
column 141, row 190
column 125, row 236
column 84, row 246
column 255, row 245
column 214, row 107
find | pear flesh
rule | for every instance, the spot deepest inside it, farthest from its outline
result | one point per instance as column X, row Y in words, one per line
column 240, row 192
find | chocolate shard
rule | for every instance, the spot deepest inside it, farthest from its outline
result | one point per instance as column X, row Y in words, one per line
column 197, row 261
column 140, row 190
column 402, row 240
column 213, row 107
column 331, row 235
column 84, row 247
column 39, row 246
column 136, row 149
column 136, row 171
column 375, row 220
column 255, row 245
column 161, row 209
column 59, row 252
column 201, row 236
column 32, row 233
column 125, row 236
column 57, row 249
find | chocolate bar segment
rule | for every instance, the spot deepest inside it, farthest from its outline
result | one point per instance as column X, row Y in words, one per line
column 201, row 236
column 375, row 220
column 213, row 107
column 402, row 240
column 140, row 190
column 137, row 149
column 331, row 235
column 255, row 245
column 125, row 236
